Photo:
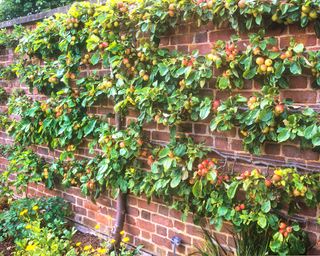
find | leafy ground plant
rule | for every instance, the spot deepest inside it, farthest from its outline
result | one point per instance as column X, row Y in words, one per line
column 52, row 212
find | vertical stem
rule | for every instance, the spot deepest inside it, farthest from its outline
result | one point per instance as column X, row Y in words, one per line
column 121, row 202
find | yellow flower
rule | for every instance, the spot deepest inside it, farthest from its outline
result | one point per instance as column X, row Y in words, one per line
column 112, row 241
column 78, row 244
column 97, row 226
column 28, row 226
column 122, row 232
column 30, row 247
column 126, row 239
column 23, row 212
column 101, row 250
column 87, row 247
column 35, row 208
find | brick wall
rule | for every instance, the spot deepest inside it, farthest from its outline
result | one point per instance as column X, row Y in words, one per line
column 154, row 224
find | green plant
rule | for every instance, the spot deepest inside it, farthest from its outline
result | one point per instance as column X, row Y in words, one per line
column 43, row 240
column 11, row 39
column 211, row 247
column 52, row 212
column 251, row 241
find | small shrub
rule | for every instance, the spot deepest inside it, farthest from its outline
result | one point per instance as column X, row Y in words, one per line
column 52, row 212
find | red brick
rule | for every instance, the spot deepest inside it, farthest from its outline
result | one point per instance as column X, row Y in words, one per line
column 131, row 229
column 194, row 230
column 132, row 211
column 301, row 96
column 201, row 37
column 221, row 143
column 220, row 35
column 162, row 220
column 307, row 40
column 146, row 225
column 163, row 210
column 298, row 82
column 272, row 149
column 203, row 48
column 162, row 231
column 181, row 39
column 144, row 205
column 160, row 241
column 145, row 215
column 91, row 206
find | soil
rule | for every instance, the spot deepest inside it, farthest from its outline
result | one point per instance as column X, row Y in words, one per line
column 86, row 239
column 7, row 247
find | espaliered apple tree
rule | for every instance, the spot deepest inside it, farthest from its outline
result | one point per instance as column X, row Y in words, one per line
column 164, row 87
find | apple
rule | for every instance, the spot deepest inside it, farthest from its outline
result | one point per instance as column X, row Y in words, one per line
column 171, row 13
column 242, row 4
column 282, row 225
column 276, row 178
column 268, row 183
column 260, row 61
column 268, row 62
column 216, row 104
column 279, row 109
column 172, row 7
column 256, row 51
column 145, row 78
column 313, row 14
column 296, row 192
column 305, row 9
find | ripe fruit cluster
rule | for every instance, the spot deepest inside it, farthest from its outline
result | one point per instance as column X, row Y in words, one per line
column 231, row 51
column 188, row 62
column 85, row 59
column 306, row 11
column 244, row 175
column 240, row 207
column 284, row 229
column 72, row 23
column 53, row 80
column 265, row 66
column 103, row 45
column 251, row 103
column 206, row 166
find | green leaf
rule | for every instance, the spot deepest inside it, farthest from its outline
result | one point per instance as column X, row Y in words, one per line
column 205, row 108
column 223, row 83
column 231, row 192
column 250, row 73
column 175, row 181
column 89, row 127
column 163, row 69
column 92, row 42
column 295, row 68
column 266, row 207
column 197, row 188
column 298, row 48
column 283, row 135
column 95, row 58
column 262, row 221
